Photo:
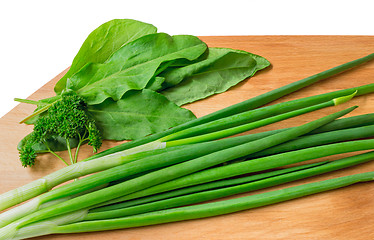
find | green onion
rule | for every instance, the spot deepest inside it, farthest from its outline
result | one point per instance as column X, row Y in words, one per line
column 319, row 139
column 131, row 168
column 339, row 124
column 202, row 187
column 349, row 122
column 169, row 173
column 292, row 174
column 300, row 143
column 44, row 184
column 251, row 166
column 150, row 161
column 191, row 212
column 86, row 167
column 242, row 128
column 217, row 208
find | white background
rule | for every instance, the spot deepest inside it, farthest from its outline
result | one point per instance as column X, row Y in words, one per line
column 39, row 39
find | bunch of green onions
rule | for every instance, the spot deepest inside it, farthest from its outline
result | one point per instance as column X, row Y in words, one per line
column 156, row 179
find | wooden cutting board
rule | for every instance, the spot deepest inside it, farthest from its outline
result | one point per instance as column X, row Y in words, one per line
column 341, row 214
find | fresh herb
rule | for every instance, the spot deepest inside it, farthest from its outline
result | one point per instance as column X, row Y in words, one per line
column 66, row 118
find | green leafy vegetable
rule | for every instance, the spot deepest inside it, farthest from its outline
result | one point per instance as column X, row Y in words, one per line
column 222, row 69
column 133, row 66
column 103, row 42
column 138, row 114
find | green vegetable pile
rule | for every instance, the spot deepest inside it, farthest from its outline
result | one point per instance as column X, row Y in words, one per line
column 132, row 81
column 168, row 176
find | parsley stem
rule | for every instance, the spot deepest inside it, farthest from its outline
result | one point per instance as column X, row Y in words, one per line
column 55, row 154
column 81, row 140
column 69, row 151
column 59, row 157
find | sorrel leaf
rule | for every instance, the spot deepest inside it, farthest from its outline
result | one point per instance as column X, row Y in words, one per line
column 133, row 66
column 138, row 114
column 103, row 42
column 222, row 69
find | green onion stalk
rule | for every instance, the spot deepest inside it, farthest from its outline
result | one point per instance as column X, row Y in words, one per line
column 208, row 209
column 307, row 141
column 301, row 143
column 166, row 174
column 223, row 188
column 46, row 183
column 339, row 124
column 219, row 184
column 175, row 139
column 251, row 166
column 319, row 139
column 149, row 213
column 158, row 159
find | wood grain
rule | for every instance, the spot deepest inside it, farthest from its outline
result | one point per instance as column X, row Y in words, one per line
column 341, row 214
